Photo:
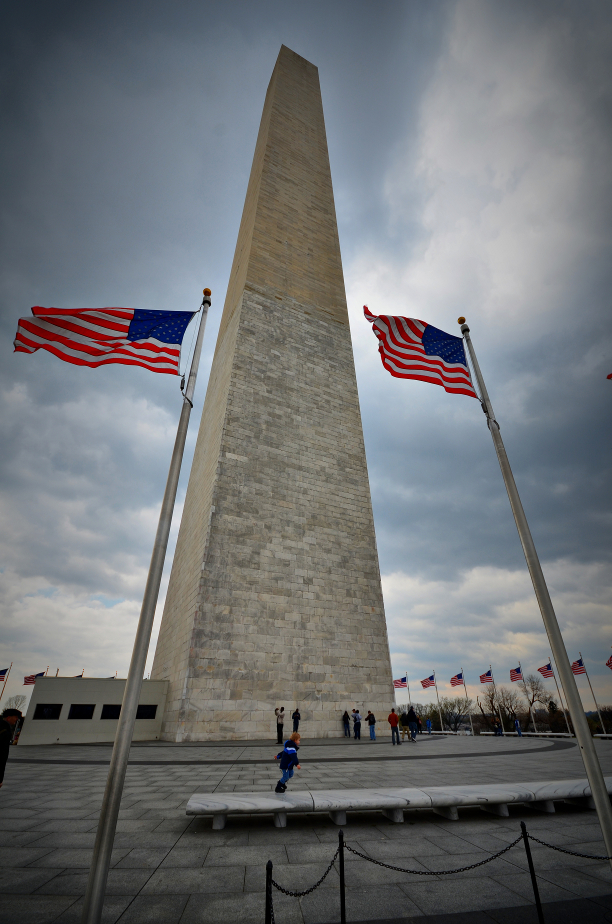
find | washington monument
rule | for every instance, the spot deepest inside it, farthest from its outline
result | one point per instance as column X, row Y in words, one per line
column 275, row 596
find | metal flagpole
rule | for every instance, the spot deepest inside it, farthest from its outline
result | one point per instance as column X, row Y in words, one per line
column 467, row 697
column 560, row 698
column 568, row 682
column 527, row 695
column 408, row 688
column 592, row 694
column 98, row 873
column 5, row 680
column 501, row 721
column 438, row 698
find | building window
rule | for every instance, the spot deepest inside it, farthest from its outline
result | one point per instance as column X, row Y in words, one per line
column 47, row 710
column 110, row 711
column 146, row 712
column 81, row 711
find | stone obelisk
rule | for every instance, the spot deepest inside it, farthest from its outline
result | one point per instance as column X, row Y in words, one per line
column 275, row 596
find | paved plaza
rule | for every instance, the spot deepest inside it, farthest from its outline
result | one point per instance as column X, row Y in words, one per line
column 169, row 868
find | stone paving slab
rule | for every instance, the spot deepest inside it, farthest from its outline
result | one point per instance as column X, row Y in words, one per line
column 170, row 868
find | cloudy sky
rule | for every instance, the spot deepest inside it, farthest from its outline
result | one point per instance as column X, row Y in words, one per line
column 470, row 146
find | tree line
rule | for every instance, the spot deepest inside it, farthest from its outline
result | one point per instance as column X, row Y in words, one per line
column 523, row 701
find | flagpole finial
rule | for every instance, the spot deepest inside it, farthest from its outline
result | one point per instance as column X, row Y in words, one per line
column 461, row 320
column 207, row 292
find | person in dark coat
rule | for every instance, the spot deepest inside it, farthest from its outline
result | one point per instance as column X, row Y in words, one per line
column 413, row 723
column 357, row 725
column 8, row 721
column 346, row 721
column 296, row 719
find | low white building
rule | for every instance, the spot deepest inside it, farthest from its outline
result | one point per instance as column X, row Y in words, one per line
column 85, row 710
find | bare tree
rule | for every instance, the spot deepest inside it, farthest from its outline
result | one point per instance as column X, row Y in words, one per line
column 430, row 711
column 510, row 703
column 15, row 702
column 454, row 710
column 534, row 690
column 489, row 704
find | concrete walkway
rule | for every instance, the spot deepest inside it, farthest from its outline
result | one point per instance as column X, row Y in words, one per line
column 169, row 868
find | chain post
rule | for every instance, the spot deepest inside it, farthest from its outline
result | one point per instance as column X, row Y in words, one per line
column 342, row 889
column 268, row 892
column 532, row 873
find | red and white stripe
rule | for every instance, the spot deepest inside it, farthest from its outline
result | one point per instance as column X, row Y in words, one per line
column 456, row 681
column 403, row 354
column 546, row 671
column 578, row 667
column 428, row 682
column 486, row 678
column 609, row 662
column 93, row 337
column 31, row 678
column 516, row 674
column 400, row 684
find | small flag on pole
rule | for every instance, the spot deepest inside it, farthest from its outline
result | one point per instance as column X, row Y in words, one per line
column 578, row 667
column 546, row 670
column 428, row 682
column 609, row 662
column 487, row 678
column 31, row 678
column 457, row 680
column 95, row 337
column 400, row 684
column 412, row 349
column 516, row 674
column 4, row 673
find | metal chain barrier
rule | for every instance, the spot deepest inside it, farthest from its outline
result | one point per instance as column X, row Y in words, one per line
column 342, row 846
column 428, row 872
column 573, row 853
column 312, row 888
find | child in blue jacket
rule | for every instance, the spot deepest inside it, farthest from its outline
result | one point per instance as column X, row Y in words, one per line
column 288, row 760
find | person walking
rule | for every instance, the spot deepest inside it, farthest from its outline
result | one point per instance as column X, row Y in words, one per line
column 280, row 721
column 288, row 760
column 357, row 724
column 9, row 719
column 346, row 721
column 404, row 723
column 413, row 723
column 393, row 721
column 428, row 724
column 296, row 719
column 371, row 720
column 517, row 726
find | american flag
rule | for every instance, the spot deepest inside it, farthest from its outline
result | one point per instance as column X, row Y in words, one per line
column 400, row 684
column 609, row 662
column 487, row 678
column 31, row 678
column 457, row 680
column 516, row 674
column 428, row 682
column 4, row 673
column 546, row 670
column 578, row 667
column 94, row 337
column 412, row 349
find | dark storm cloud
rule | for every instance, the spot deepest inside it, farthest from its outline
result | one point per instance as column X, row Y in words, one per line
column 469, row 147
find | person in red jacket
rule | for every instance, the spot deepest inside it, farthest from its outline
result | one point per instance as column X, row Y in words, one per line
column 393, row 722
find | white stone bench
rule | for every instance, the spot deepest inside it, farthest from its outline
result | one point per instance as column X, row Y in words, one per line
column 444, row 800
